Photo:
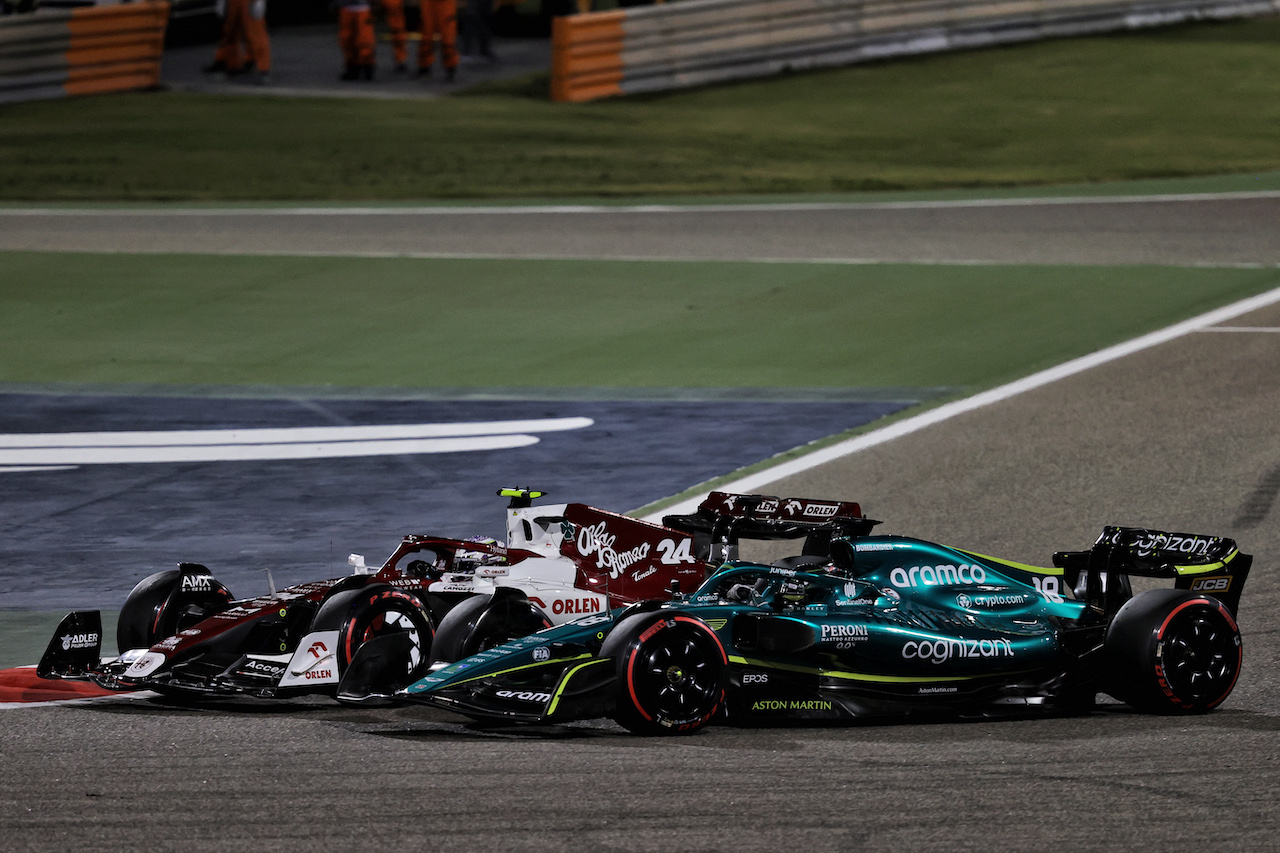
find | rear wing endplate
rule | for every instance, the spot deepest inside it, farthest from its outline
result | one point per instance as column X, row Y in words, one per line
column 1212, row 565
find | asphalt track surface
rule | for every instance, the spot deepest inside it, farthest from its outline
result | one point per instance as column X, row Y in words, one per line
column 110, row 525
column 1180, row 436
column 1178, row 230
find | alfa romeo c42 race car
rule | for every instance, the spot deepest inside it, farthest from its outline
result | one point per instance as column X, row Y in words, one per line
column 182, row 632
column 862, row 626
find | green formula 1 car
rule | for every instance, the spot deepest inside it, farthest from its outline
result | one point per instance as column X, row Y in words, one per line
column 862, row 626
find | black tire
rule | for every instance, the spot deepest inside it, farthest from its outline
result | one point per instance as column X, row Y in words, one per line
column 158, row 607
column 383, row 610
column 672, row 671
column 480, row 623
column 1173, row 652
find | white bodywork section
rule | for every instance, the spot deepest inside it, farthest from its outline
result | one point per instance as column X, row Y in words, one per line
column 536, row 528
column 315, row 661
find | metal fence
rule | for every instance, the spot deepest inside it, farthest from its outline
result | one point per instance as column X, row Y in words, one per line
column 695, row 42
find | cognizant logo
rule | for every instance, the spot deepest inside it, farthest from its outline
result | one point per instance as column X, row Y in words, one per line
column 941, row 651
column 937, row 575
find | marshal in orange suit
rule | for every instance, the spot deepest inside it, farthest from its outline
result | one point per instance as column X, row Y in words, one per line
column 439, row 17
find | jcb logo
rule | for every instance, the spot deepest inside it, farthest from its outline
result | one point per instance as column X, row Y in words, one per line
column 1211, row 585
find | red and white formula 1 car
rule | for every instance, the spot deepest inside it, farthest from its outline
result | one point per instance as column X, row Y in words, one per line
column 182, row 632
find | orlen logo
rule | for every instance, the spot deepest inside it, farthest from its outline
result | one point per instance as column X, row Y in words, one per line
column 79, row 641
column 821, row 510
column 937, row 576
column 319, row 650
column 319, row 674
column 575, row 605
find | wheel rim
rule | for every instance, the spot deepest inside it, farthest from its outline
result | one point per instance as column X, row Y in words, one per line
column 1199, row 657
column 396, row 622
column 678, row 673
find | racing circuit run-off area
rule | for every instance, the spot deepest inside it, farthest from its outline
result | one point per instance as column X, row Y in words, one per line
column 1028, row 608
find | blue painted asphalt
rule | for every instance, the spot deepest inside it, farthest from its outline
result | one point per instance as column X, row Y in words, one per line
column 83, row 537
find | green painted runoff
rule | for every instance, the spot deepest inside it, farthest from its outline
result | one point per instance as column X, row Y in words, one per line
column 424, row 323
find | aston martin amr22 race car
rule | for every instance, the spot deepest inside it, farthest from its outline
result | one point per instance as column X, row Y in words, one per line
column 182, row 631
column 862, row 626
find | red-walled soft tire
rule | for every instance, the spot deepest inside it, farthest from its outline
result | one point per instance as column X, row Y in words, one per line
column 383, row 610
column 1173, row 652
column 672, row 672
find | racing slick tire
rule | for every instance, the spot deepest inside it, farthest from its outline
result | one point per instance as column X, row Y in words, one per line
column 159, row 607
column 380, row 610
column 484, row 621
column 1173, row 652
column 672, row 672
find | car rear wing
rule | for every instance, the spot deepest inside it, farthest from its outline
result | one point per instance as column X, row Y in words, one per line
column 1209, row 564
column 723, row 518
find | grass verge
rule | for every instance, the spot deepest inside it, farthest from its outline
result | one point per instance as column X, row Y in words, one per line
column 1189, row 100
column 424, row 323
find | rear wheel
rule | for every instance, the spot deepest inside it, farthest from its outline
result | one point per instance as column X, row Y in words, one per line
column 1174, row 652
column 381, row 611
column 672, row 671
column 165, row 603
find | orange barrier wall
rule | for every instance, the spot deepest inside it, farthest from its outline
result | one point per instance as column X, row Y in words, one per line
column 698, row 42
column 60, row 52
column 586, row 56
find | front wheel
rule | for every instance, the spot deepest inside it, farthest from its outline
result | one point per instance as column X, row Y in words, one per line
column 381, row 611
column 672, row 671
column 482, row 622
column 1173, row 652
column 165, row 603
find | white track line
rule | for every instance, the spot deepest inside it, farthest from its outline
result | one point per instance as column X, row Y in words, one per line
column 907, row 426
column 597, row 209
column 1241, row 329
column 637, row 259
column 22, row 452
